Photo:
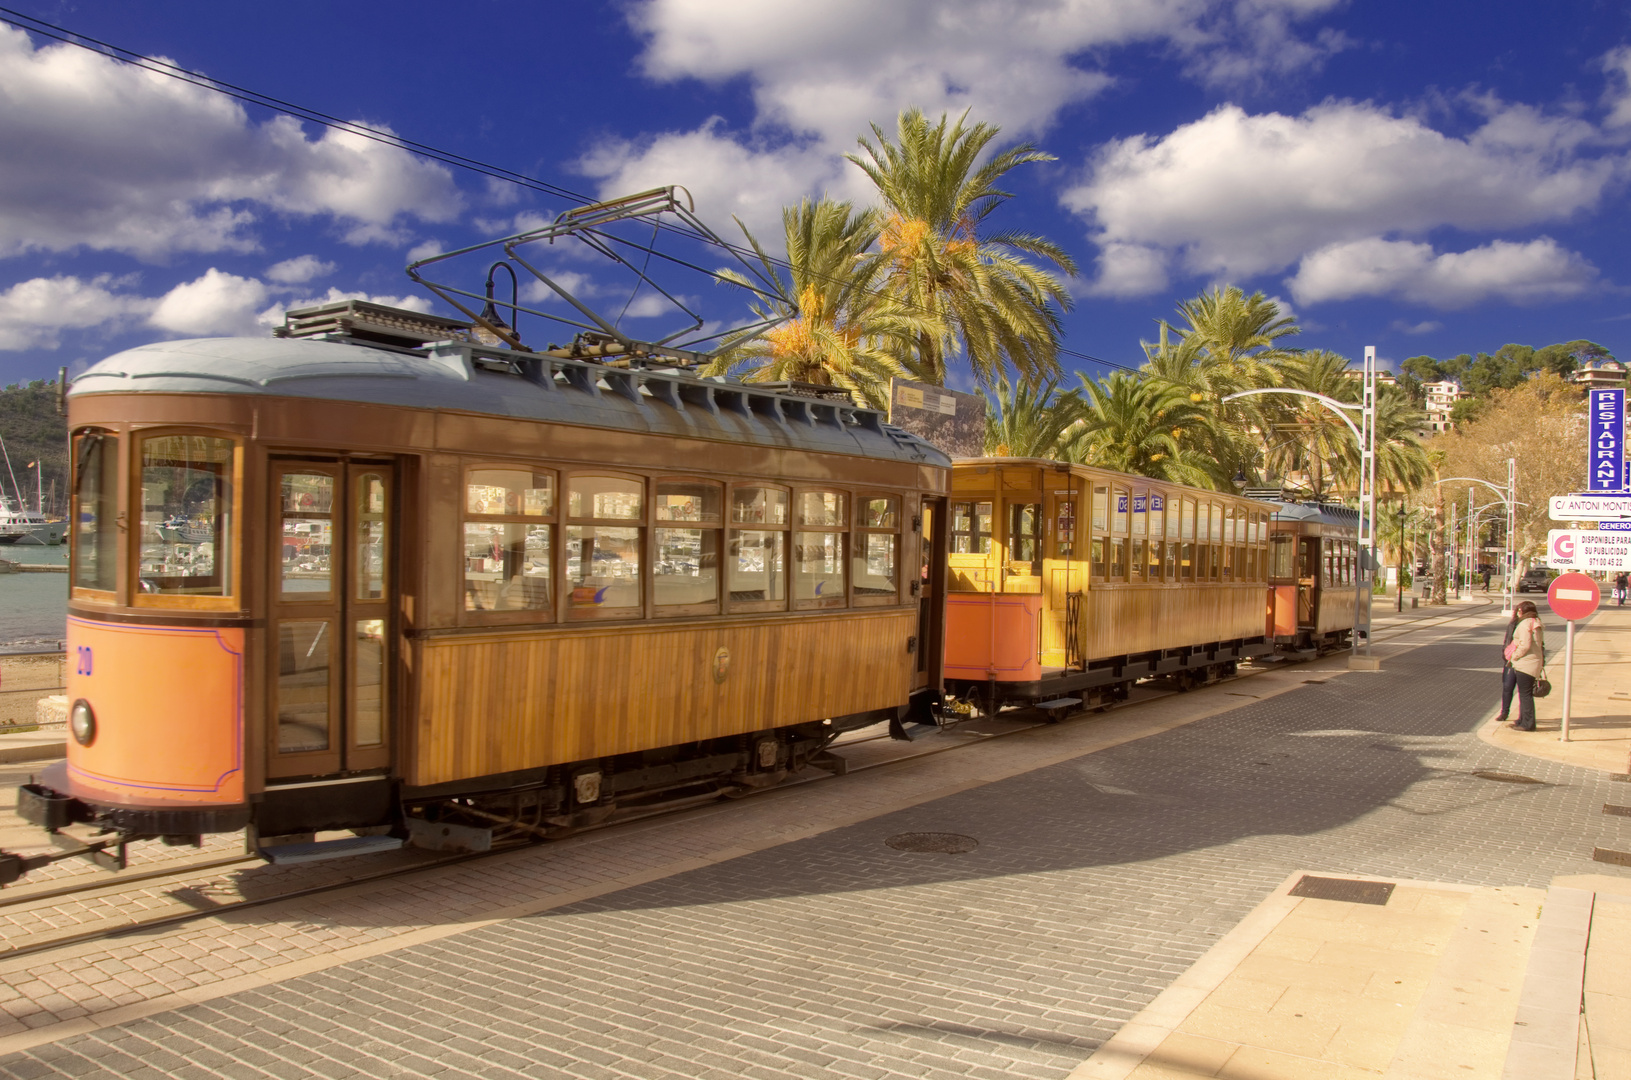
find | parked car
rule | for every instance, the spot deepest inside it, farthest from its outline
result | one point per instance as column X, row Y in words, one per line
column 1536, row 580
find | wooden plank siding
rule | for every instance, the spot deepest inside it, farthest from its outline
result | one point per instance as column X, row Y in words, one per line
column 1133, row 619
column 504, row 702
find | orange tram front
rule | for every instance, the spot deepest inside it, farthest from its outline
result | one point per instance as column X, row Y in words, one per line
column 415, row 588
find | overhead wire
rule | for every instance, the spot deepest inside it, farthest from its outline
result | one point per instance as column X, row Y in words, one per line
column 118, row 53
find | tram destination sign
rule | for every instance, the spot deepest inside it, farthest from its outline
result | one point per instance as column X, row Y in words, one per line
column 1587, row 549
column 1590, row 507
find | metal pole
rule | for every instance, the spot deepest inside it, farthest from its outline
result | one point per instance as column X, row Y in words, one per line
column 1367, row 503
column 1472, row 523
column 1509, row 599
column 1568, row 679
column 1399, row 591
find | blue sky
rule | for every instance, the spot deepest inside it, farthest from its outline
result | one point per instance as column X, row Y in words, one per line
column 1426, row 177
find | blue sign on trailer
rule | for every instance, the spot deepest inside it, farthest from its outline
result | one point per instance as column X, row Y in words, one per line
column 1606, row 454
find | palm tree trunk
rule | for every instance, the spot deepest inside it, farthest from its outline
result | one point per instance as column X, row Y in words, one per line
column 1440, row 575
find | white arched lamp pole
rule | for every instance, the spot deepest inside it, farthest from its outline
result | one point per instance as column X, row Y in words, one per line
column 1365, row 437
column 1509, row 499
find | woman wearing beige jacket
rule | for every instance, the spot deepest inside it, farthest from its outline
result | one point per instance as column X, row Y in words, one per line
column 1528, row 661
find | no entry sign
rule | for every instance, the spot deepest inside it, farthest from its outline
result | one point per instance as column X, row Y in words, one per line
column 1573, row 596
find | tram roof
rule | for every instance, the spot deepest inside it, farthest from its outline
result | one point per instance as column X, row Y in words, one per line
column 476, row 379
column 1332, row 514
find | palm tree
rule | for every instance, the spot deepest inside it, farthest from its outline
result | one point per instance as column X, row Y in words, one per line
column 1029, row 420
column 1138, row 426
column 844, row 331
column 989, row 298
column 1238, row 333
column 1217, row 436
column 1310, row 438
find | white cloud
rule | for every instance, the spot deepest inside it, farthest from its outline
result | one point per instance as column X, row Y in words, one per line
column 217, row 303
column 34, row 313
column 189, row 172
column 819, row 77
column 1527, row 273
column 1233, row 194
column 299, row 270
column 1618, row 95
column 1405, row 327
column 273, row 316
column 424, row 250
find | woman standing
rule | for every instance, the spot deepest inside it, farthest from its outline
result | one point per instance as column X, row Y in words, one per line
column 1528, row 660
column 1509, row 674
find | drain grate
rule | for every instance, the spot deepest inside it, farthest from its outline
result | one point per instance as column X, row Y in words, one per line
column 1344, row 889
column 942, row 843
column 1505, row 777
column 1618, row 811
column 1609, row 855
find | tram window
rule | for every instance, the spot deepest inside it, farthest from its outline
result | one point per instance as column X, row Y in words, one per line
column 822, row 508
column 303, row 686
column 687, row 501
column 971, row 528
column 1101, row 508
column 510, row 493
column 96, row 498
column 370, row 539
column 1230, row 568
column 1100, row 567
column 1024, row 524
column 186, row 524
column 1118, row 559
column 759, row 506
column 506, row 566
column 368, row 666
column 1153, row 570
column 603, row 569
column 874, row 570
column 1158, row 513
column 308, row 532
column 615, row 498
column 1065, row 529
column 756, row 570
column 1118, row 513
column 1282, row 557
column 687, row 570
column 1135, row 559
column 818, row 569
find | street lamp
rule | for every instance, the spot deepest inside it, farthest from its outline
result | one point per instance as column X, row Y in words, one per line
column 1509, row 500
column 1365, row 437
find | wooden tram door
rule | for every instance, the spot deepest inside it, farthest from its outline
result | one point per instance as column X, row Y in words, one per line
column 332, row 585
column 1308, row 581
column 934, row 544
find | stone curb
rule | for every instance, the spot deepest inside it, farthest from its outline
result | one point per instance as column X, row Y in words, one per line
column 1546, row 1034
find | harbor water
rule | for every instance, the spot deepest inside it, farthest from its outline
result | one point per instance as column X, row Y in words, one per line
column 33, row 606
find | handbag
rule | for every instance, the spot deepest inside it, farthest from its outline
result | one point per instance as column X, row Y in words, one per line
column 1542, row 686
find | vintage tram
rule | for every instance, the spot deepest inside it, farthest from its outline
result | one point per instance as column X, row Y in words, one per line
column 1313, row 570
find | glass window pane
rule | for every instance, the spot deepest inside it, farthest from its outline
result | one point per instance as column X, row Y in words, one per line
column 96, row 543
column 1118, row 559
column 1024, row 521
column 368, row 685
column 759, row 506
column 506, row 566
column 688, row 502
column 303, row 686
column 186, row 532
column 603, row 567
column 874, row 568
column 818, row 567
column 1101, row 509
column 614, row 497
column 308, row 558
column 880, row 512
column 1189, row 519
column 1153, row 568
column 1064, row 529
column 756, row 568
column 513, row 492
column 1141, row 513
column 1175, row 514
column 370, row 573
column 1118, row 517
column 1098, row 558
column 687, row 566
column 1158, row 512
column 1216, row 532
column 821, row 508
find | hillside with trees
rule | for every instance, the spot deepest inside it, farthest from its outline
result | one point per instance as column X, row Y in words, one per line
column 32, row 430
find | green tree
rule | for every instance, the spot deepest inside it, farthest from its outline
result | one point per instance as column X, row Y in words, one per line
column 1138, row 425
column 986, row 295
column 1029, row 420
column 1567, row 357
column 845, row 330
column 1423, row 369
column 34, row 431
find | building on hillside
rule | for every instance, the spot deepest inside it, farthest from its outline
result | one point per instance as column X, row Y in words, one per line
column 1383, row 377
column 1599, row 375
column 1441, row 398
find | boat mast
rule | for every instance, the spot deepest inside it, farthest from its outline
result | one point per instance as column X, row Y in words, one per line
column 14, row 485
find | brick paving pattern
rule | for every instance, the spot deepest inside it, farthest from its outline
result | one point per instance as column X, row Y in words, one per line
column 1096, row 881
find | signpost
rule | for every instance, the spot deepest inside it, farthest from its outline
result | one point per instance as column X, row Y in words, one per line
column 1572, row 597
column 1591, row 507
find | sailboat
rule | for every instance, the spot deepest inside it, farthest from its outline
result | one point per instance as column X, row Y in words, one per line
column 20, row 525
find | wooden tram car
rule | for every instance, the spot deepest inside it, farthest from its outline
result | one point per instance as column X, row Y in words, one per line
column 384, row 580
column 1066, row 583
column 1313, row 570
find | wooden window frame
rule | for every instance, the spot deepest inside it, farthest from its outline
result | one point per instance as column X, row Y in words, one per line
column 857, row 540
column 785, row 530
column 718, row 527
column 844, row 530
column 566, row 612
column 116, row 521
column 233, row 599
column 551, row 521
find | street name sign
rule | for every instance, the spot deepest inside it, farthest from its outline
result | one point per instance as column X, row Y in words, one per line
column 1588, row 549
column 1573, row 596
column 1591, row 507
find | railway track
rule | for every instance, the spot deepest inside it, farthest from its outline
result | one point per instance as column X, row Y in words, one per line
column 187, row 876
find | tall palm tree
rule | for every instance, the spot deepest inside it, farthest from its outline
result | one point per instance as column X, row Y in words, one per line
column 1030, row 420
column 990, row 299
column 1237, row 332
column 1218, row 436
column 845, row 331
column 1307, row 436
column 1137, row 426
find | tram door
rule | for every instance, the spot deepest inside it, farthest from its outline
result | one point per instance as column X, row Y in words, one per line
column 1308, row 581
column 931, row 617
column 330, row 632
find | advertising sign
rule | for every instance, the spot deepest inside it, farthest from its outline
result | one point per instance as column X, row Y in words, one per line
column 1606, row 454
column 1585, row 549
column 951, row 422
column 1591, row 507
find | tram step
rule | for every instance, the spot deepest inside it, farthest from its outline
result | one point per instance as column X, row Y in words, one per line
column 1058, row 703
column 345, row 847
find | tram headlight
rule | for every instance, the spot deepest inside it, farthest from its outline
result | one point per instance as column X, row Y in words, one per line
column 82, row 722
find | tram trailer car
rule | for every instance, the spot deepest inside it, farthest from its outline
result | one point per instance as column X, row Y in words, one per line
column 1314, row 562
column 1067, row 583
column 381, row 577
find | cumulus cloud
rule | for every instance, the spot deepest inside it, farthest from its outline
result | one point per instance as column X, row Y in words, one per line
column 217, row 303
column 34, row 313
column 273, row 316
column 818, row 81
column 1234, row 194
column 1526, row 273
column 299, row 270
column 1427, row 327
column 193, row 171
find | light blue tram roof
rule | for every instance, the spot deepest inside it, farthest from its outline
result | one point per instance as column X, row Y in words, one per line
column 1325, row 514
column 471, row 378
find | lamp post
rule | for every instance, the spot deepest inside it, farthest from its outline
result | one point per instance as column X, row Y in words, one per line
column 1400, row 590
column 1365, row 436
column 1509, row 499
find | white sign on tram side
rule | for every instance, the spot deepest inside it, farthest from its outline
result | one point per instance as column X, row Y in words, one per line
column 1588, row 549
column 1591, row 507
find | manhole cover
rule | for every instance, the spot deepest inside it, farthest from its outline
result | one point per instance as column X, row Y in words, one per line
column 1505, row 777
column 948, row 843
column 1345, row 889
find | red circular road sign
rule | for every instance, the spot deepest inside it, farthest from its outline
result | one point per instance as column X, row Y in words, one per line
column 1573, row 596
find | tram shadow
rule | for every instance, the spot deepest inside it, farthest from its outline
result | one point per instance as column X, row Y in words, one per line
column 1355, row 773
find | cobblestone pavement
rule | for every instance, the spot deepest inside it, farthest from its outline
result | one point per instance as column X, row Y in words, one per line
column 1096, row 881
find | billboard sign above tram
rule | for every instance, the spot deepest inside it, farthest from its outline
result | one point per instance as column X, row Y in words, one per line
column 1591, row 507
